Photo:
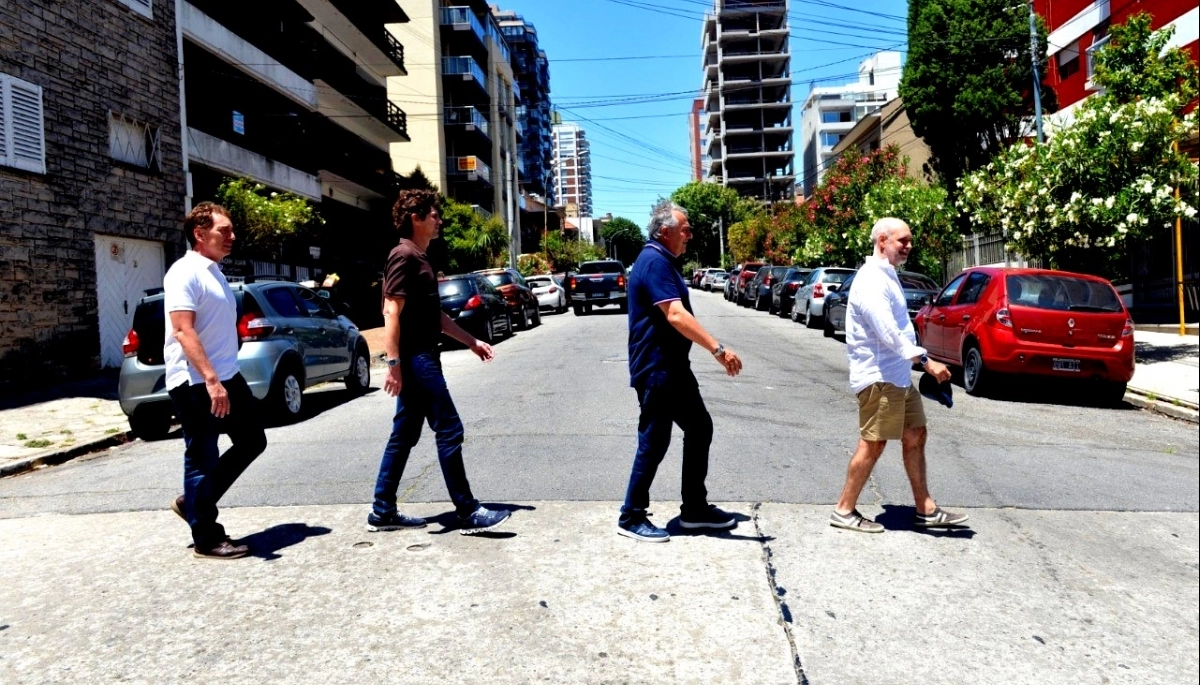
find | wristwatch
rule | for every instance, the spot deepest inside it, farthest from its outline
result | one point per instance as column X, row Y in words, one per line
column 924, row 359
column 719, row 351
column 393, row 362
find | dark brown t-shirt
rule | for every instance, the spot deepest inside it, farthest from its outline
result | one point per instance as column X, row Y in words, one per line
column 408, row 274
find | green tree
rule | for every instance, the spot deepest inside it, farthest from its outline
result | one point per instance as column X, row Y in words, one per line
column 567, row 253
column 626, row 238
column 707, row 205
column 472, row 242
column 1106, row 177
column 835, row 233
column 967, row 83
column 265, row 220
column 1136, row 63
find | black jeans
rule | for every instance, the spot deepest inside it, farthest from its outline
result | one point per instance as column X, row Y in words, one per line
column 206, row 473
column 668, row 401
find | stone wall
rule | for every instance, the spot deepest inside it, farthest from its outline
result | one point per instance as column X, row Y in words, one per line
column 90, row 57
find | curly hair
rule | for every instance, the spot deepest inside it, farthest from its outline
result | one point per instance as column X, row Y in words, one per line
column 201, row 216
column 410, row 202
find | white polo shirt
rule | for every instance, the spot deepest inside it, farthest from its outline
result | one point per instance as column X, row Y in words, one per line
column 194, row 283
column 880, row 341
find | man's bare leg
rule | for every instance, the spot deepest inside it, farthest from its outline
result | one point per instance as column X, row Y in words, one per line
column 913, row 443
column 861, row 465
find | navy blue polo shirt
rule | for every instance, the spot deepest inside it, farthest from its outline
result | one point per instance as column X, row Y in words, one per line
column 656, row 350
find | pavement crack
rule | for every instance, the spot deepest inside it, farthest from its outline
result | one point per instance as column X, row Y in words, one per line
column 876, row 495
column 416, row 481
column 777, row 594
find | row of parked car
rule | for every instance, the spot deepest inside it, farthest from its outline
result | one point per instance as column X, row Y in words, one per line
column 293, row 337
column 987, row 322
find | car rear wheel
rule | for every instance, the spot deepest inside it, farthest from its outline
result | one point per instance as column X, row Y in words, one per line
column 758, row 304
column 508, row 326
column 489, row 332
column 810, row 321
column 287, row 392
column 150, row 423
column 359, row 377
column 537, row 317
column 1112, row 394
column 624, row 307
column 975, row 375
column 827, row 328
column 578, row 310
column 794, row 314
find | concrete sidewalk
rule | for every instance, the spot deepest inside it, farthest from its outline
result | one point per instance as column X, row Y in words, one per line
column 1040, row 597
column 1167, row 376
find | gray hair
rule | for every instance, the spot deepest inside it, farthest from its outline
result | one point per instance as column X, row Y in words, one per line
column 884, row 227
column 663, row 216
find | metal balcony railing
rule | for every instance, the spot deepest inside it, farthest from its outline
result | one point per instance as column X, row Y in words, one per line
column 397, row 119
column 395, row 49
column 471, row 166
column 465, row 66
column 467, row 116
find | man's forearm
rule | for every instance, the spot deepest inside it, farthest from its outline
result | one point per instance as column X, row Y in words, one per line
column 452, row 329
column 687, row 325
column 193, row 349
column 391, row 336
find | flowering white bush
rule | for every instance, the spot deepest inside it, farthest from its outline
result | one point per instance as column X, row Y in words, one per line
column 1105, row 178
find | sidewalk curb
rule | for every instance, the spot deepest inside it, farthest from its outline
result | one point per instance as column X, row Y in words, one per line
column 1142, row 400
column 54, row 458
column 1191, row 328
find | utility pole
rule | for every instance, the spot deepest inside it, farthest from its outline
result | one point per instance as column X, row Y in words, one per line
column 721, row 238
column 1037, row 82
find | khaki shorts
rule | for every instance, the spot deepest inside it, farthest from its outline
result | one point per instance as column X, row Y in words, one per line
column 884, row 411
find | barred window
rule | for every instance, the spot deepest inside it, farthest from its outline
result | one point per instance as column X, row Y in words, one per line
column 133, row 142
column 142, row 7
column 22, row 129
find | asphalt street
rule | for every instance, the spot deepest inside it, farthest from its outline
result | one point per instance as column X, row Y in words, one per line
column 553, row 418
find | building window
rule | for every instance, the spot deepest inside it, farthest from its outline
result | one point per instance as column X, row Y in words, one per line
column 133, row 142
column 1068, row 61
column 1098, row 43
column 836, row 117
column 142, row 7
column 22, row 129
column 830, row 139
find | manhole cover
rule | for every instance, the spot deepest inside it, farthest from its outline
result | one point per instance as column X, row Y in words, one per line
column 363, row 545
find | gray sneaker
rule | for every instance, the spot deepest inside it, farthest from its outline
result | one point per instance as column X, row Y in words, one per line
column 854, row 521
column 940, row 518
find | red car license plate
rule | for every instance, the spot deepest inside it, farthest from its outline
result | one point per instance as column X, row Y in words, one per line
column 1064, row 364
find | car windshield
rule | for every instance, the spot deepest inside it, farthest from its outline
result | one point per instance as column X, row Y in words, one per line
column 1063, row 293
column 600, row 268
column 835, row 276
column 917, row 282
column 453, row 288
column 539, row 282
column 500, row 279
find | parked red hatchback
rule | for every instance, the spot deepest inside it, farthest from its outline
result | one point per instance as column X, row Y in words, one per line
column 992, row 320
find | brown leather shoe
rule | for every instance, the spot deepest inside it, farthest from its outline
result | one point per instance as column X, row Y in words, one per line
column 222, row 550
column 177, row 507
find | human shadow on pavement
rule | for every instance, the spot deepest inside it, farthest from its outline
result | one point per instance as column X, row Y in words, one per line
column 900, row 517
column 266, row 544
column 675, row 529
column 448, row 520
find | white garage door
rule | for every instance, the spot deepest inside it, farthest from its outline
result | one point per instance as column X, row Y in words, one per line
column 125, row 268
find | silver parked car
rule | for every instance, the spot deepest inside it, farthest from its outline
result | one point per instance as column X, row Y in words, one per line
column 809, row 303
column 713, row 279
column 549, row 291
column 290, row 338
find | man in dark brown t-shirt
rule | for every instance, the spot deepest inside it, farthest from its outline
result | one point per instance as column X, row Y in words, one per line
column 413, row 323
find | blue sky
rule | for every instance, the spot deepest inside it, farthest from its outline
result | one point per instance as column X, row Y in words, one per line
column 627, row 70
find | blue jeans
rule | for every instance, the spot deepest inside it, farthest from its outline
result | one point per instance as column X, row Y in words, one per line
column 665, row 402
column 207, row 474
column 424, row 397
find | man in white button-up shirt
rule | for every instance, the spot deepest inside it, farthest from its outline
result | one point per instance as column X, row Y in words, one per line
column 882, row 347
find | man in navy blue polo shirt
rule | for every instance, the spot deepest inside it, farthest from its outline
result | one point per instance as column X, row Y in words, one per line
column 661, row 332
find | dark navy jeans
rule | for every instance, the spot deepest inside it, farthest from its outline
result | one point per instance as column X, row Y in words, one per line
column 665, row 402
column 207, row 474
column 424, row 397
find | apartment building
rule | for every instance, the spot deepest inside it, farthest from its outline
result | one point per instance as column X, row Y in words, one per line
column 696, row 136
column 461, row 96
column 830, row 112
column 1078, row 28
column 747, row 97
column 531, row 69
column 91, row 178
column 573, row 170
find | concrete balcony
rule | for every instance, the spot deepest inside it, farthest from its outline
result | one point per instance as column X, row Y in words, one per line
column 214, row 153
column 472, row 167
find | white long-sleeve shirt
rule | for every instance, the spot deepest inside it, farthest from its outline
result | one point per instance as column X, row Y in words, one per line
column 880, row 341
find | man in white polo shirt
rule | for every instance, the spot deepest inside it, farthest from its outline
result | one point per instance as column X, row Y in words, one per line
column 203, row 379
column 882, row 347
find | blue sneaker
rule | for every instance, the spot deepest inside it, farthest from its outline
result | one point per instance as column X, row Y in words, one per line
column 643, row 530
column 480, row 520
column 711, row 517
column 393, row 521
